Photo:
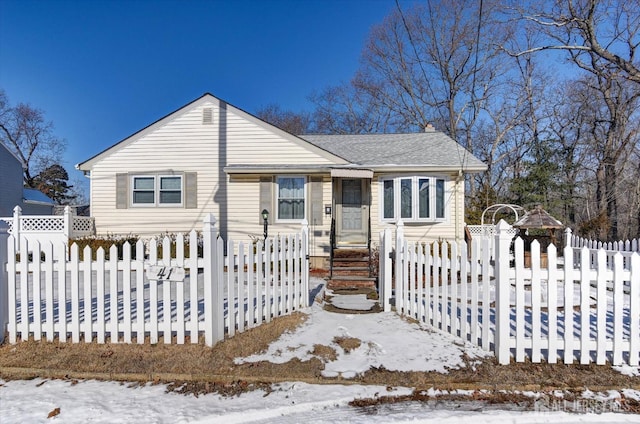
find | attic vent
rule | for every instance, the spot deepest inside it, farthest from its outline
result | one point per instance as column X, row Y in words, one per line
column 207, row 115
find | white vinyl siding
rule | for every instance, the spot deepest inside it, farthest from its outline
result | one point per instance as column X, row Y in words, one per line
column 184, row 145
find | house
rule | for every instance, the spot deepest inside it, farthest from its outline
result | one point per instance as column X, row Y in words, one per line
column 35, row 202
column 12, row 190
column 212, row 157
column 11, row 181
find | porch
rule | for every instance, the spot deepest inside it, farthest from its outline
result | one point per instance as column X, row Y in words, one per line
column 351, row 261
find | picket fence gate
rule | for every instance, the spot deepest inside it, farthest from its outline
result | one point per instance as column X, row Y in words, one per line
column 584, row 305
column 150, row 293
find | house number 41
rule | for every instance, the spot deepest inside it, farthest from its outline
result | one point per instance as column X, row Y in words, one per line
column 170, row 273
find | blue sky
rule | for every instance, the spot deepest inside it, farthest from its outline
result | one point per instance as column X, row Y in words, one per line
column 101, row 70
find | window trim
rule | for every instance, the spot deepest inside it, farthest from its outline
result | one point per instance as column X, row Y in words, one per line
column 156, row 191
column 415, row 198
column 277, row 198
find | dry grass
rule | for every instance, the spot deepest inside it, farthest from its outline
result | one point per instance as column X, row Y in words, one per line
column 347, row 343
column 195, row 368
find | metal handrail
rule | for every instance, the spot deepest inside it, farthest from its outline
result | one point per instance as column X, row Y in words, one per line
column 332, row 242
column 369, row 243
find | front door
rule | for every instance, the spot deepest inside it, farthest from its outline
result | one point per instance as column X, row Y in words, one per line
column 352, row 211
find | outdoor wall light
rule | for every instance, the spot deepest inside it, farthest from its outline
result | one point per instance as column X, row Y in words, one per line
column 327, row 209
column 265, row 218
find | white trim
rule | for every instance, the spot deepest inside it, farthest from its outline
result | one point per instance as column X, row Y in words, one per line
column 351, row 173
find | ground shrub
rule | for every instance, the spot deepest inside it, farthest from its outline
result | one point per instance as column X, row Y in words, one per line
column 96, row 242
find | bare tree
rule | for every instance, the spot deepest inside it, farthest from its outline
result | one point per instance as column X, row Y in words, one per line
column 606, row 32
column 349, row 108
column 292, row 122
column 24, row 130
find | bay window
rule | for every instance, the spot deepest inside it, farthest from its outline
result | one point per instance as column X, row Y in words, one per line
column 412, row 198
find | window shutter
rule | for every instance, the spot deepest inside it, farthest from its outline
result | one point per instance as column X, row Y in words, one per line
column 190, row 190
column 266, row 187
column 122, row 191
column 316, row 201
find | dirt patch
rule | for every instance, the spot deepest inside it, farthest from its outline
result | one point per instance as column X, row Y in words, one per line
column 347, row 343
column 325, row 353
column 512, row 401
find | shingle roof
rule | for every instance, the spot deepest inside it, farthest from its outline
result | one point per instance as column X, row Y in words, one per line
column 538, row 218
column 36, row 196
column 429, row 149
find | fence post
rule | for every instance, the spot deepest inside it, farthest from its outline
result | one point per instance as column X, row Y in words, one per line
column 4, row 286
column 399, row 274
column 68, row 223
column 384, row 272
column 213, row 299
column 567, row 237
column 305, row 263
column 15, row 228
column 503, row 288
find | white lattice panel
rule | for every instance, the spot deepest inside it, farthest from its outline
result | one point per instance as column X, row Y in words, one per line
column 82, row 225
column 9, row 222
column 42, row 224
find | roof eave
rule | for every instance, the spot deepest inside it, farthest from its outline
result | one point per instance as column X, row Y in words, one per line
column 277, row 169
column 428, row 168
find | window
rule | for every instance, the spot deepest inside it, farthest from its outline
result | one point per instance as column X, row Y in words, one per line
column 291, row 198
column 414, row 199
column 388, row 202
column 156, row 190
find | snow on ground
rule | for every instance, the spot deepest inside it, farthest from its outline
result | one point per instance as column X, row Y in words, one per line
column 386, row 341
column 109, row 402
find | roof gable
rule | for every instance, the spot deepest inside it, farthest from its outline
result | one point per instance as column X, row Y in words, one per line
column 207, row 98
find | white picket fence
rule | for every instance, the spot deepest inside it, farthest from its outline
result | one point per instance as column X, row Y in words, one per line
column 150, row 294
column 617, row 246
column 583, row 306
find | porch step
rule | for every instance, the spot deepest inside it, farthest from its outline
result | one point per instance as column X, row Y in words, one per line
column 353, row 278
column 351, row 281
column 351, row 269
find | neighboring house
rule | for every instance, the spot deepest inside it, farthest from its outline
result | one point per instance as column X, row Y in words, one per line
column 12, row 191
column 35, row 202
column 11, row 181
column 210, row 156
